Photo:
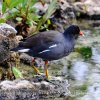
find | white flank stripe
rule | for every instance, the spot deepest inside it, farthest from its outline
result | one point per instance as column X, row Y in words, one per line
column 23, row 50
column 52, row 46
column 44, row 51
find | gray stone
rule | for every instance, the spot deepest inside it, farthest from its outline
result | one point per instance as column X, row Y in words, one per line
column 34, row 88
column 89, row 7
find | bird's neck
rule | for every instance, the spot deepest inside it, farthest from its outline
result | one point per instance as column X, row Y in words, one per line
column 68, row 35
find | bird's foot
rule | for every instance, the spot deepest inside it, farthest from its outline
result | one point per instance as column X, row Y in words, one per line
column 36, row 70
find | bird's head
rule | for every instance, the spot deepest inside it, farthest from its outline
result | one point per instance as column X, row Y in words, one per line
column 74, row 31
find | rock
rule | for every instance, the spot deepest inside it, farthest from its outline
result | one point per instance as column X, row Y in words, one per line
column 88, row 7
column 70, row 9
column 63, row 4
column 64, row 13
column 18, row 38
column 34, row 88
column 4, row 48
column 7, row 30
column 41, row 7
column 10, row 33
column 26, row 59
column 7, row 42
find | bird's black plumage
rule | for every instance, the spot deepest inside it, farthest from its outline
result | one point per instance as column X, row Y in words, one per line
column 50, row 45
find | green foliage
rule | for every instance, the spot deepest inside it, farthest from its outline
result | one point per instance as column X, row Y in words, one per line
column 23, row 9
column 17, row 73
column 25, row 12
column 51, row 9
column 86, row 52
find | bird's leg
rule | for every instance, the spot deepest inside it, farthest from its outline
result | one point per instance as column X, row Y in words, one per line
column 34, row 67
column 46, row 69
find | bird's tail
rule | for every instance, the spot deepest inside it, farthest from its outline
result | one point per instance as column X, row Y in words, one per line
column 20, row 49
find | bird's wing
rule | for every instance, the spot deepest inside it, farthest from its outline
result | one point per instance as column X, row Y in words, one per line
column 40, row 39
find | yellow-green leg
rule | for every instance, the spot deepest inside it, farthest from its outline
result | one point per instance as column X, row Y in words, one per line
column 36, row 70
column 46, row 69
column 34, row 67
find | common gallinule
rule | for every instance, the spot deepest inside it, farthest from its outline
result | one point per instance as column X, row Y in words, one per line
column 50, row 45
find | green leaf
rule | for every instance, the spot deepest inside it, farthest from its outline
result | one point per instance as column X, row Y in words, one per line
column 29, row 22
column 25, row 2
column 32, row 2
column 17, row 73
column 15, row 3
column 48, row 22
column 35, row 17
column 8, row 2
column 2, row 20
column 51, row 9
column 19, row 19
column 4, row 7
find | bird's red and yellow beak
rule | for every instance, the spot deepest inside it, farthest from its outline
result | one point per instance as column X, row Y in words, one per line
column 81, row 33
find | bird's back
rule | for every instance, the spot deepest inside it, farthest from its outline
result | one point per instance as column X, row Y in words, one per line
column 40, row 38
column 50, row 45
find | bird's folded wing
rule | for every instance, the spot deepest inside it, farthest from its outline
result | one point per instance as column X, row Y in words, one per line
column 42, row 38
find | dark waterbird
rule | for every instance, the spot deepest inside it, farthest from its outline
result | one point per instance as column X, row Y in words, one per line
column 50, row 45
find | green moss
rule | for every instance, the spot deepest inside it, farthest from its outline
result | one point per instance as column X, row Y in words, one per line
column 86, row 52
